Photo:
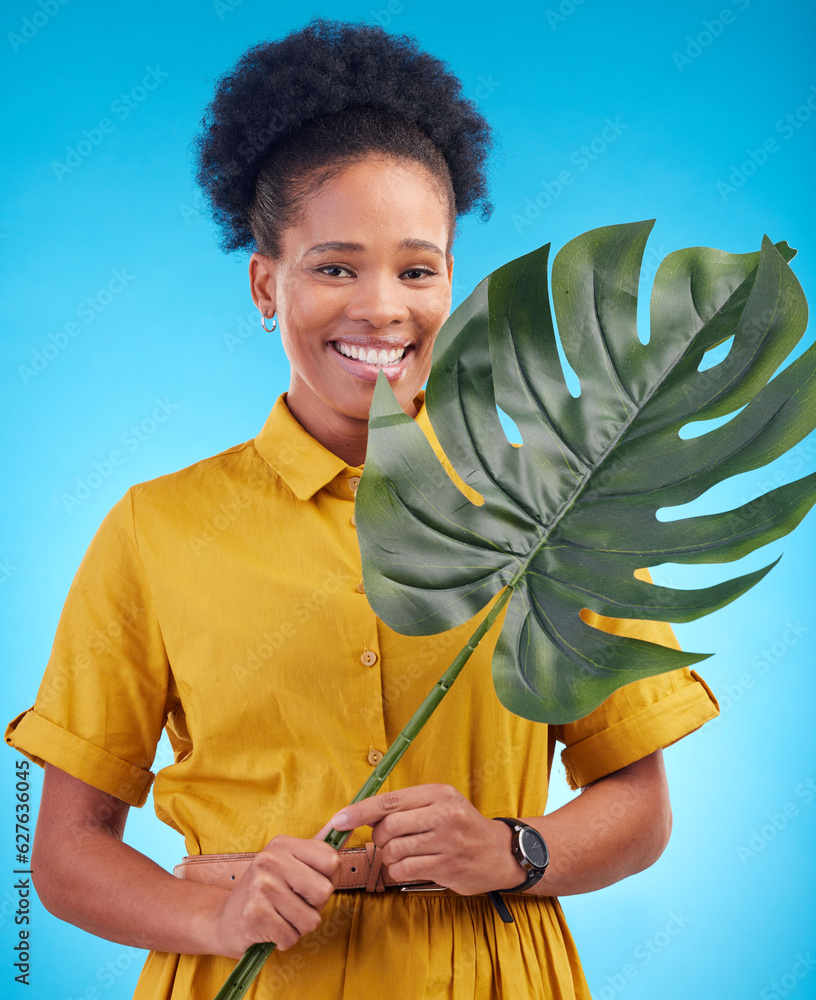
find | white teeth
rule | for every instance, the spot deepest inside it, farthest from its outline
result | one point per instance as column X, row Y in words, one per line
column 371, row 356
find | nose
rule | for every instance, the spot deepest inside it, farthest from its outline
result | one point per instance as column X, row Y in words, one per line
column 378, row 299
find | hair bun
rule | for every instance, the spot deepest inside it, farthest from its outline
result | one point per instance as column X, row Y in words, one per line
column 277, row 87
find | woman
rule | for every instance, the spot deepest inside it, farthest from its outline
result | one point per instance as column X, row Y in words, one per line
column 224, row 602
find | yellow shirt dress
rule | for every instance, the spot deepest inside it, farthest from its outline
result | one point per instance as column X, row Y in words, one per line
column 224, row 602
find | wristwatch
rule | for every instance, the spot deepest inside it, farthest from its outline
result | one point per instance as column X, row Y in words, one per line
column 530, row 850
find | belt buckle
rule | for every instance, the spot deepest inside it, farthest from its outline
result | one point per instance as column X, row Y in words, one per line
column 423, row 887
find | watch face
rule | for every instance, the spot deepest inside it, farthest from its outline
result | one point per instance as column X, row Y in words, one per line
column 534, row 849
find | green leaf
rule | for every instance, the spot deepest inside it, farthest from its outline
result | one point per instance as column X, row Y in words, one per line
column 569, row 515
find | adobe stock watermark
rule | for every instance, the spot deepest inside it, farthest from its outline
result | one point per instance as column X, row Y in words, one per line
column 761, row 663
column 581, row 159
column 762, row 501
column 386, row 14
column 224, row 7
column 121, row 108
column 790, row 979
column 87, row 310
column 565, row 10
column 131, row 440
column 270, row 643
column 31, row 26
column 103, row 639
column 712, row 29
column 270, row 815
column 227, row 513
column 194, row 208
column 337, row 916
column 644, row 954
column 110, row 973
column 787, row 126
column 776, row 822
column 242, row 330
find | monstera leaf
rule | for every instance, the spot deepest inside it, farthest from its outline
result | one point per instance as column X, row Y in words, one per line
column 568, row 516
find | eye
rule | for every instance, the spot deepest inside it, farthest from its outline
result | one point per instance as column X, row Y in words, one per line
column 422, row 272
column 332, row 267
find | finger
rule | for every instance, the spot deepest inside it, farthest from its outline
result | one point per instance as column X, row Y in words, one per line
column 309, row 885
column 280, row 907
column 415, row 845
column 426, row 819
column 282, row 850
column 281, row 877
column 421, row 867
column 323, row 832
column 294, row 912
column 372, row 810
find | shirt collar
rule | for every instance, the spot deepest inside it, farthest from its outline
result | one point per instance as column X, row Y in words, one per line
column 306, row 466
column 301, row 461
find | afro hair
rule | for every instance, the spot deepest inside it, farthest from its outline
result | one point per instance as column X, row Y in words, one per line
column 297, row 105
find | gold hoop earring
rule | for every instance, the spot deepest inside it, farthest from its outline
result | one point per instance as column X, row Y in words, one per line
column 274, row 324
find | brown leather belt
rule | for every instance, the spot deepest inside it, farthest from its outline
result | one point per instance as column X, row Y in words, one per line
column 360, row 868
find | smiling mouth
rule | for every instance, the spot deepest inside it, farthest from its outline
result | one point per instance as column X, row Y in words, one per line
column 379, row 358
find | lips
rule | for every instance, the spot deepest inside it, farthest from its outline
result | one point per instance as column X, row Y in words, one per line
column 367, row 359
column 370, row 355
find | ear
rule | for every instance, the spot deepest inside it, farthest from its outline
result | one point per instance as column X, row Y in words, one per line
column 450, row 269
column 262, row 283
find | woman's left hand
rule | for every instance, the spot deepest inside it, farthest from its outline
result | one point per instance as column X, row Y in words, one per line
column 433, row 832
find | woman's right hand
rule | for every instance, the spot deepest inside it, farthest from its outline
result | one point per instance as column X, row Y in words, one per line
column 86, row 874
column 279, row 897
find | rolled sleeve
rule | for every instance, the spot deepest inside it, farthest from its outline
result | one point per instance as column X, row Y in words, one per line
column 44, row 742
column 103, row 700
column 657, row 724
column 640, row 717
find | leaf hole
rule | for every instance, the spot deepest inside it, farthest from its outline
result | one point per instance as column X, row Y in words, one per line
column 571, row 379
column 715, row 355
column 509, row 426
column 699, row 427
column 747, row 488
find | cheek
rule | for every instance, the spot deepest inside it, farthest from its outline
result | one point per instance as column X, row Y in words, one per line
column 442, row 307
column 300, row 330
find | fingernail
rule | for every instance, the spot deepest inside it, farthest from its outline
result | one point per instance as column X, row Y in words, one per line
column 340, row 821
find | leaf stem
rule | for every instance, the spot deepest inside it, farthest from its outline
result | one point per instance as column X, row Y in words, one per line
column 250, row 964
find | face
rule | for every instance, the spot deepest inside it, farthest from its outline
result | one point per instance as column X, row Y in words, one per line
column 363, row 285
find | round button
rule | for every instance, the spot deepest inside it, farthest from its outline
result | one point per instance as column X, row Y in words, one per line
column 360, row 588
column 374, row 757
column 353, row 519
column 369, row 658
column 354, row 482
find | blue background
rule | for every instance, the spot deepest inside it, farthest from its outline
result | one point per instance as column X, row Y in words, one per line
column 728, row 908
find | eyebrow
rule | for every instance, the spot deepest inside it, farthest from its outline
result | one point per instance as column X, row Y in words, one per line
column 406, row 244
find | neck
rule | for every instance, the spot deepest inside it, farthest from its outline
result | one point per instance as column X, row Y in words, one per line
column 347, row 441
column 342, row 434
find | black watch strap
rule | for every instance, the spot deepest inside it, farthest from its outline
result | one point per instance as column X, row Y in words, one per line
column 495, row 897
column 536, row 873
